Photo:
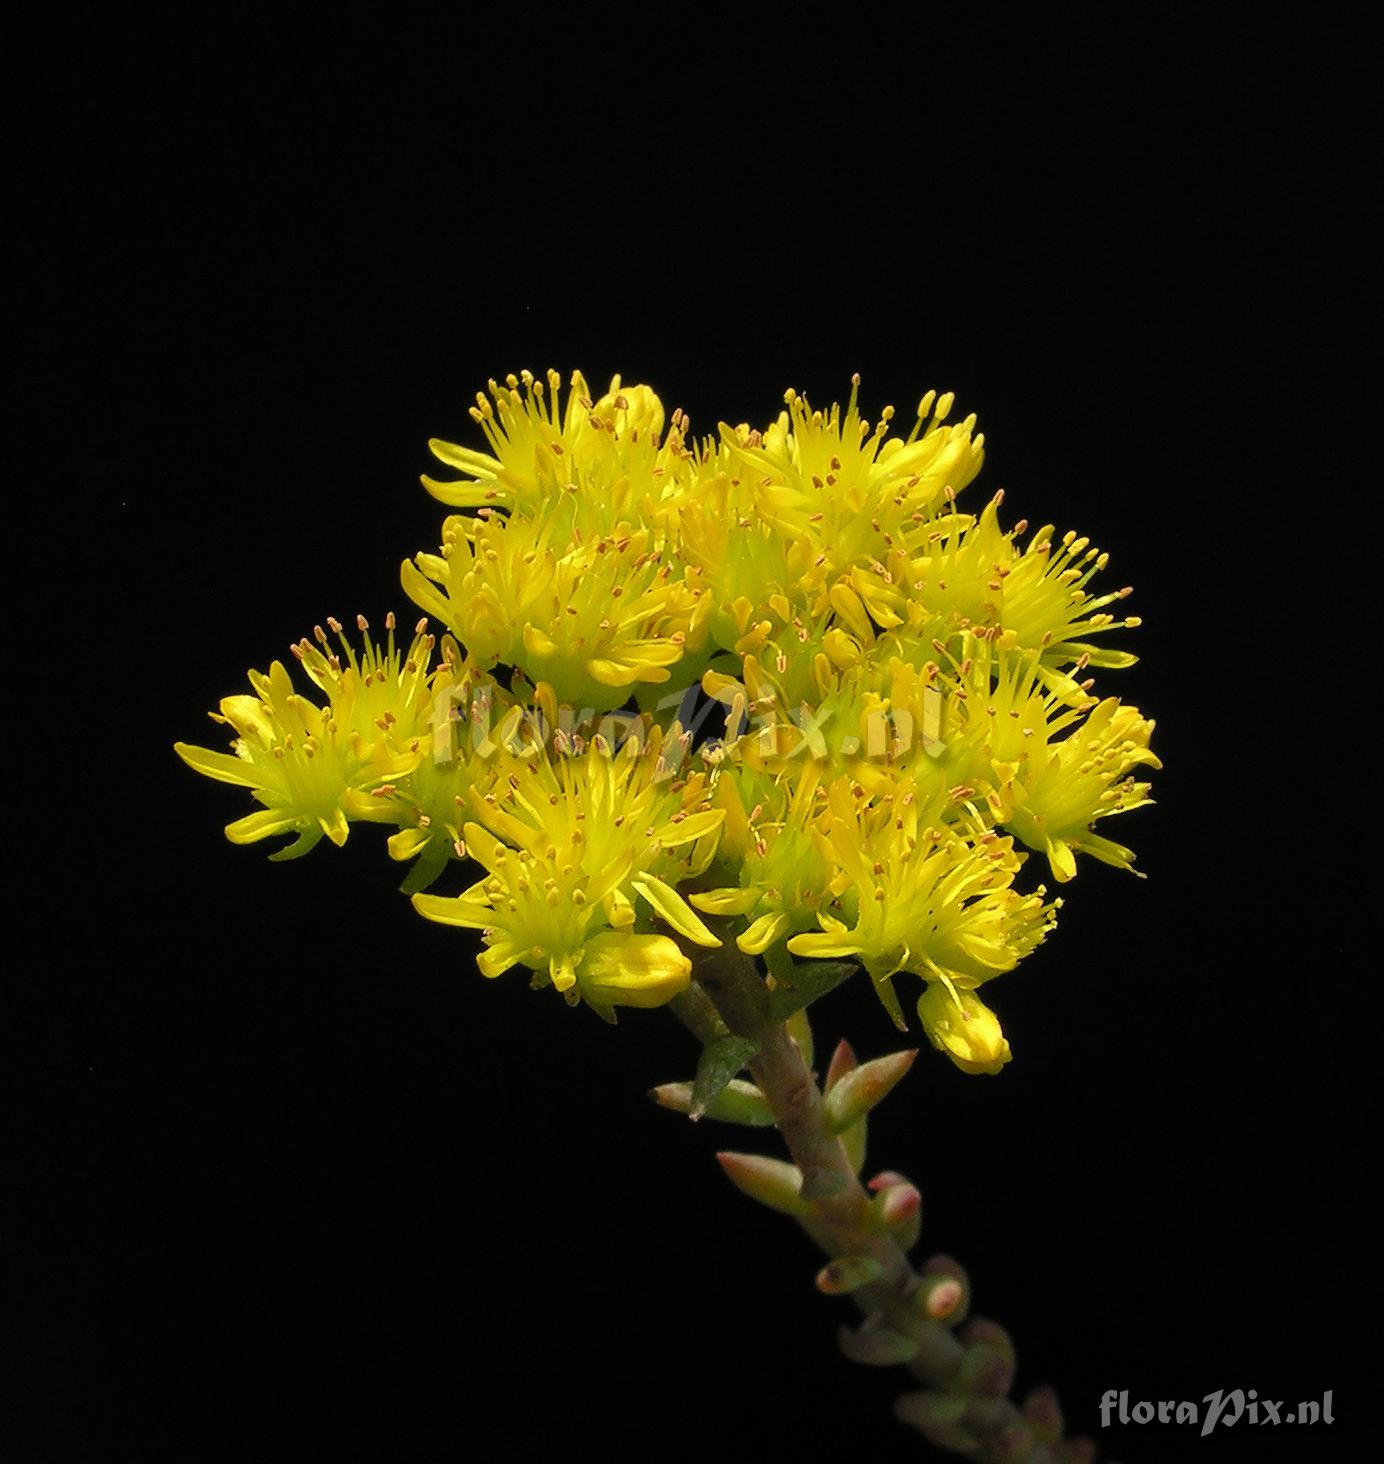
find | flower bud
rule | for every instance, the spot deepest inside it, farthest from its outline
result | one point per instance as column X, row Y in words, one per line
column 631, row 409
column 618, row 969
column 962, row 1026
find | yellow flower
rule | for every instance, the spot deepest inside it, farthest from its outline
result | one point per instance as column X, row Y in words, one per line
column 385, row 690
column 1085, row 777
column 842, row 488
column 428, row 806
column 963, row 1027
column 541, row 450
column 919, row 893
column 578, row 842
column 303, row 761
column 1047, row 606
column 769, row 849
column 593, row 617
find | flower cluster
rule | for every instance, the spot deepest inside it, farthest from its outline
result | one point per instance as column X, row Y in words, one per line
column 903, row 709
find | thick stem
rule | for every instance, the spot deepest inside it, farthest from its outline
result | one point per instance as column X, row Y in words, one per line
column 842, row 1220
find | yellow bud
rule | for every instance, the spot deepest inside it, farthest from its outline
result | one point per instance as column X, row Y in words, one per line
column 963, row 1027
column 631, row 409
column 632, row 970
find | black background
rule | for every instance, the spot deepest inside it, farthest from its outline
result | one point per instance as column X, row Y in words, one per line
column 294, row 1180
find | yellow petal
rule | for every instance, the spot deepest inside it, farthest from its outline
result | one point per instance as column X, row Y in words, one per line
column 485, row 848
column 496, row 959
column 847, row 605
column 219, row 765
column 671, row 834
column 762, row 933
column 824, row 943
column 407, row 842
column 256, row 826
column 671, row 906
column 620, row 673
column 725, row 901
column 335, row 826
column 449, row 910
column 1062, row 859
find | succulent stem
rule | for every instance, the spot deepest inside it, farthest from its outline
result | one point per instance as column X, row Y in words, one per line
column 963, row 1382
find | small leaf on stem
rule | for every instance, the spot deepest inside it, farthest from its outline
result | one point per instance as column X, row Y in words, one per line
column 721, row 1059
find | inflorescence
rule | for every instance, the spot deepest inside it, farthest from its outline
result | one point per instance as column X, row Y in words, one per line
column 778, row 677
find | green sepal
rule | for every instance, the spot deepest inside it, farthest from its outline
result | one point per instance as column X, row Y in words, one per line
column 890, row 998
column 307, row 838
column 721, row 1059
column 426, row 868
column 808, row 980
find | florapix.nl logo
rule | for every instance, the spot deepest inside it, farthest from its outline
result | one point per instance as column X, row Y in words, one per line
column 1220, row 1409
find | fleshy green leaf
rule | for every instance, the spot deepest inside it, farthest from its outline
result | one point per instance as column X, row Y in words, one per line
column 808, row 981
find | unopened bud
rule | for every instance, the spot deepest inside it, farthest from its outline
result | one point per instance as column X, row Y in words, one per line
column 619, row 969
column 962, row 1026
